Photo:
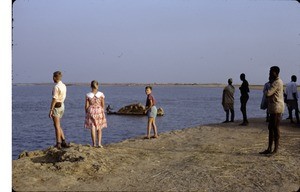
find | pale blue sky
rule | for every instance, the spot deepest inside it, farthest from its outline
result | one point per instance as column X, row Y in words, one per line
column 163, row 41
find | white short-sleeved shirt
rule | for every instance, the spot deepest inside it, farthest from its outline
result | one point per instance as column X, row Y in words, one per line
column 92, row 95
column 59, row 92
column 291, row 88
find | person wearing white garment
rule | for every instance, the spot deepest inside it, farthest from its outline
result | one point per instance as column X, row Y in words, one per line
column 57, row 109
column 95, row 116
column 292, row 98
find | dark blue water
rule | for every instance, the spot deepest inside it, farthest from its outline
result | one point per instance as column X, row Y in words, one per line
column 184, row 106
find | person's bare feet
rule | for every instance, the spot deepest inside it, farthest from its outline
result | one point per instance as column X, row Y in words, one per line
column 147, row 137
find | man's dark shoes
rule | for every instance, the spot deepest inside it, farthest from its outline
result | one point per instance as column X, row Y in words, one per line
column 273, row 153
column 244, row 124
column 265, row 152
column 64, row 144
column 225, row 121
column 58, row 145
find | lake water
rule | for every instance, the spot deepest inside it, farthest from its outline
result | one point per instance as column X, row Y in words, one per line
column 184, row 106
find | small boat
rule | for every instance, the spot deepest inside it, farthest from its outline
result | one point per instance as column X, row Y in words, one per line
column 132, row 109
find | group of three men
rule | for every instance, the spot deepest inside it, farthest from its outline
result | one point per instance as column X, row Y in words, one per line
column 275, row 99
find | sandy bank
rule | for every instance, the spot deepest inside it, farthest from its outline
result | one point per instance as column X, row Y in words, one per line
column 220, row 157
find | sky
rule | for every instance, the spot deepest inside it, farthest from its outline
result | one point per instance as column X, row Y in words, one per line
column 155, row 41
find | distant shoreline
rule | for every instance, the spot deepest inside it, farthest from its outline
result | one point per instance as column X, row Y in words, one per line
column 208, row 85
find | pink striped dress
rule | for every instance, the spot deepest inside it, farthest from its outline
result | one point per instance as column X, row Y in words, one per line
column 95, row 116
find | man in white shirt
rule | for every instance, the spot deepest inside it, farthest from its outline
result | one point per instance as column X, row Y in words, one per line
column 57, row 108
column 292, row 98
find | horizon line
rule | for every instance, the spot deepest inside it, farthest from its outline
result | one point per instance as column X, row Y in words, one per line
column 135, row 84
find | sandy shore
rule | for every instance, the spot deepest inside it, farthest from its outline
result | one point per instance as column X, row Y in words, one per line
column 220, row 157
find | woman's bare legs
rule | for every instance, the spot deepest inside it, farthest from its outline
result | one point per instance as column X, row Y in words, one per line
column 93, row 135
column 99, row 137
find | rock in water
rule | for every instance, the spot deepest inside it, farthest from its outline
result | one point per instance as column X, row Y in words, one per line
column 133, row 109
column 160, row 111
column 136, row 109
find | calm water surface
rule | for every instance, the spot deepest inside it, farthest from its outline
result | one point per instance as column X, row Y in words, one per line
column 184, row 106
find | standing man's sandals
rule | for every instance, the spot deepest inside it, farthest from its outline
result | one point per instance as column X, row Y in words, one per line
column 65, row 145
column 265, row 152
column 58, row 146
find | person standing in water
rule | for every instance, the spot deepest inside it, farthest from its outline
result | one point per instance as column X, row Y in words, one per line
column 151, row 112
column 57, row 109
column 95, row 117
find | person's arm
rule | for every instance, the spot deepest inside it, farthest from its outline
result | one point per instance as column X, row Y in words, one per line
column 151, row 104
column 295, row 96
column 223, row 97
column 103, row 104
column 149, row 107
column 284, row 94
column 248, row 89
column 87, row 104
column 295, row 92
column 274, row 86
column 53, row 102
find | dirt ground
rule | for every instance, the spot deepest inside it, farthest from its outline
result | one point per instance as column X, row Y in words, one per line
column 219, row 157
